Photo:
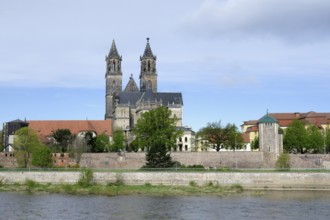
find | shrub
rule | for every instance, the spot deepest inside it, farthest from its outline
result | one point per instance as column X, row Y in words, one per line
column 283, row 162
column 31, row 184
column 237, row 188
column 86, row 178
column 192, row 183
column 119, row 180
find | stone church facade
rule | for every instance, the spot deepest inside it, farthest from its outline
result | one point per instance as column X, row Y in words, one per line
column 124, row 107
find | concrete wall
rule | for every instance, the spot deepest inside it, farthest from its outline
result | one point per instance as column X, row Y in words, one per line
column 247, row 180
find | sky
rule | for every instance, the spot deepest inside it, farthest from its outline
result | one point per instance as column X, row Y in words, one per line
column 233, row 60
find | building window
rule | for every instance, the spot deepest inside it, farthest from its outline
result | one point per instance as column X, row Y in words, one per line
column 186, row 139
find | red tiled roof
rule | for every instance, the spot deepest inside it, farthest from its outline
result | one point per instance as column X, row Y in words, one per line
column 46, row 128
column 250, row 122
column 285, row 119
column 252, row 128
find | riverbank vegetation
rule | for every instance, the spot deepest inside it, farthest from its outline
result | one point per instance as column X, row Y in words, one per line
column 119, row 188
column 86, row 185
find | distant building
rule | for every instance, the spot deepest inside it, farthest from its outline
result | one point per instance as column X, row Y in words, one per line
column 124, row 107
column 45, row 128
column 187, row 141
column 322, row 120
column 8, row 135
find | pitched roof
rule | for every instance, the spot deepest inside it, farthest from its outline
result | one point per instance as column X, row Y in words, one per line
column 131, row 85
column 284, row 119
column 113, row 53
column 132, row 98
column 46, row 128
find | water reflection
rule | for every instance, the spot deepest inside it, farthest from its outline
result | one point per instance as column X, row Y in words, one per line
column 253, row 205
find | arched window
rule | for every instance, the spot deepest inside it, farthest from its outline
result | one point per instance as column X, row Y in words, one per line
column 114, row 65
column 148, row 65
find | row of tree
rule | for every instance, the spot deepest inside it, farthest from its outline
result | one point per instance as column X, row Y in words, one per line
column 299, row 138
column 302, row 138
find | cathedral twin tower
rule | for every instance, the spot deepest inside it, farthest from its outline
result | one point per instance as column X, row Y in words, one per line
column 124, row 107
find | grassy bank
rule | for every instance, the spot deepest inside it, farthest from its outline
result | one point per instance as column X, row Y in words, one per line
column 113, row 189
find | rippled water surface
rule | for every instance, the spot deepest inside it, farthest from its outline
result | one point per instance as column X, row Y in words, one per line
column 268, row 205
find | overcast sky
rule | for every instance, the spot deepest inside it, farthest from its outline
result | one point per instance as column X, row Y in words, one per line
column 231, row 59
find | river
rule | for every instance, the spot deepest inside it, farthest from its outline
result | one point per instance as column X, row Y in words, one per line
column 265, row 205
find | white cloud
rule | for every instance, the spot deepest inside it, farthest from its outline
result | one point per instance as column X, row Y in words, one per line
column 302, row 20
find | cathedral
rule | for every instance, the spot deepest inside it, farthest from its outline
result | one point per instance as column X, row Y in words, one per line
column 124, row 107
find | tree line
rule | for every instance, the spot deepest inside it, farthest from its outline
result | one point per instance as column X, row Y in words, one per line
column 302, row 138
column 306, row 138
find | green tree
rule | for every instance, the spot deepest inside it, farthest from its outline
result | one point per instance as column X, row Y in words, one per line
column 42, row 157
column 327, row 140
column 25, row 144
column 156, row 131
column 255, row 143
column 101, row 143
column 63, row 138
column 233, row 138
column 295, row 137
column 118, row 141
column 215, row 134
column 315, row 139
column 222, row 137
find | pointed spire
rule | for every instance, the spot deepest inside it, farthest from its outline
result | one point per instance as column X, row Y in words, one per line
column 148, row 51
column 113, row 51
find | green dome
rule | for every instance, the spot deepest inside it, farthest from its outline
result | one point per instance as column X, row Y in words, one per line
column 267, row 119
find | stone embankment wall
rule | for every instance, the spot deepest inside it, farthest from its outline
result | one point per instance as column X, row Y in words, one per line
column 271, row 180
column 207, row 159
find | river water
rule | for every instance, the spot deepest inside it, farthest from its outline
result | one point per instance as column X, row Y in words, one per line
column 266, row 205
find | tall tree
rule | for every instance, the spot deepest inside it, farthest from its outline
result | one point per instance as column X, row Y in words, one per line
column 215, row 134
column 101, row 143
column 25, row 144
column 222, row 137
column 63, row 138
column 156, row 131
column 315, row 139
column 118, row 141
column 295, row 137
column 233, row 138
